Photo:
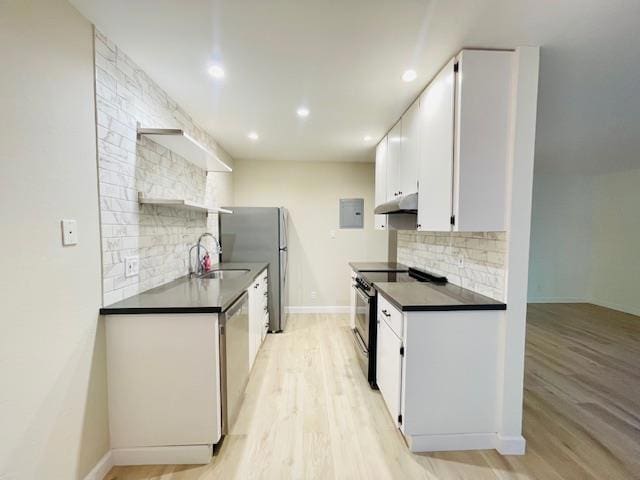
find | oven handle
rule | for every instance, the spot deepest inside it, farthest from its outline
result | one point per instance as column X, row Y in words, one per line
column 359, row 342
column 361, row 293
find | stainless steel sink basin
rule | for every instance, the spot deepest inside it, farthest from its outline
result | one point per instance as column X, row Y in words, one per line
column 224, row 273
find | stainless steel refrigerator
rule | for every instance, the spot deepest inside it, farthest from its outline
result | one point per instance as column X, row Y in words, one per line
column 259, row 234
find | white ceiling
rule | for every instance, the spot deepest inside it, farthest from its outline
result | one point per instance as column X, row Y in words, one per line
column 344, row 58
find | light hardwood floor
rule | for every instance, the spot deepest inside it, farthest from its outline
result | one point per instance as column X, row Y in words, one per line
column 309, row 413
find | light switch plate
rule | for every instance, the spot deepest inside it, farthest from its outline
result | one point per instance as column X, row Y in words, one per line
column 69, row 232
column 131, row 266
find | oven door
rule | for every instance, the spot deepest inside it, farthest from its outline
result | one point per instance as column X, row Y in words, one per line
column 362, row 316
column 361, row 332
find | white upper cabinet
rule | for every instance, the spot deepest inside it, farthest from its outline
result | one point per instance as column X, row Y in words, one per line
column 435, row 205
column 452, row 146
column 464, row 144
column 394, row 152
column 484, row 84
column 381, row 182
column 409, row 156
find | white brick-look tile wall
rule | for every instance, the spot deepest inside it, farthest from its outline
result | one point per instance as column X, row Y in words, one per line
column 484, row 255
column 160, row 236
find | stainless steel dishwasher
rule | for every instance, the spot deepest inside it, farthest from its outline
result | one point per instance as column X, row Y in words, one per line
column 234, row 359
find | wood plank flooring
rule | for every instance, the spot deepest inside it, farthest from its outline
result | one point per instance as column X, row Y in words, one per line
column 309, row 413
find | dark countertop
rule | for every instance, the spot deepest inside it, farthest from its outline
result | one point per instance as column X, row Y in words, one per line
column 423, row 296
column 190, row 295
column 378, row 267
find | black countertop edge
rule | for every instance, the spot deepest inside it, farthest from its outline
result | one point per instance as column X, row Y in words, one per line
column 442, row 308
column 141, row 310
column 451, row 308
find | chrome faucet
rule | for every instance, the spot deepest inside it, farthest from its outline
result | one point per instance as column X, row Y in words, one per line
column 192, row 271
column 198, row 246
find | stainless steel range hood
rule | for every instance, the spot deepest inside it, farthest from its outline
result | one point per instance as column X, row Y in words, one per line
column 402, row 204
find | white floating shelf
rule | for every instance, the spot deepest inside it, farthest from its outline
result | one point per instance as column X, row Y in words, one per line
column 179, row 203
column 186, row 146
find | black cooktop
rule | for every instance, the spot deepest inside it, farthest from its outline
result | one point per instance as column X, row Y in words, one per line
column 373, row 277
column 367, row 279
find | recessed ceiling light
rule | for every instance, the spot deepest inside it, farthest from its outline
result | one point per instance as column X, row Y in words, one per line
column 367, row 138
column 216, row 71
column 409, row 75
column 253, row 136
column 303, row 112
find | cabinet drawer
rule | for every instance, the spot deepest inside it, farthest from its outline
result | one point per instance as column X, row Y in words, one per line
column 391, row 315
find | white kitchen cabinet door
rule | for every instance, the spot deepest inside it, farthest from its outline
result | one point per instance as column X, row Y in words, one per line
column 484, row 85
column 381, row 183
column 389, row 368
column 163, row 375
column 394, row 152
column 255, row 318
column 436, row 133
column 408, row 165
column 262, row 317
column 258, row 298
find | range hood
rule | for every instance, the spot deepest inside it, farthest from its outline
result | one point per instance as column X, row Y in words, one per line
column 402, row 204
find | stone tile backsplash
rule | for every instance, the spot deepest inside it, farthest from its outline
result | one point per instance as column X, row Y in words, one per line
column 483, row 254
column 125, row 97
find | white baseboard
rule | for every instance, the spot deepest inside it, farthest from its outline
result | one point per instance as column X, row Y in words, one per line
column 171, row 455
column 511, row 445
column 101, row 468
column 633, row 310
column 467, row 441
column 453, row 442
column 318, row 309
column 557, row 300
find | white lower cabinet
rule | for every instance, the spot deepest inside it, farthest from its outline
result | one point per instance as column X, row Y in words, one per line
column 164, row 380
column 163, row 374
column 389, row 368
column 438, row 375
column 258, row 314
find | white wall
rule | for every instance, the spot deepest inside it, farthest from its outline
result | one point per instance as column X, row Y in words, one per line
column 584, row 238
column 561, row 226
column 311, row 192
column 53, row 413
column 585, row 234
column 615, row 253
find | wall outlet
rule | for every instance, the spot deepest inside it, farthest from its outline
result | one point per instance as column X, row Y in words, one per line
column 332, row 233
column 460, row 262
column 131, row 266
column 69, row 232
column 314, row 295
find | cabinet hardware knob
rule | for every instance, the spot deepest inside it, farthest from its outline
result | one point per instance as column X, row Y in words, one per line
column 385, row 313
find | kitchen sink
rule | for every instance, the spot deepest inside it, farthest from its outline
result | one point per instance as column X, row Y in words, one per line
column 224, row 273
